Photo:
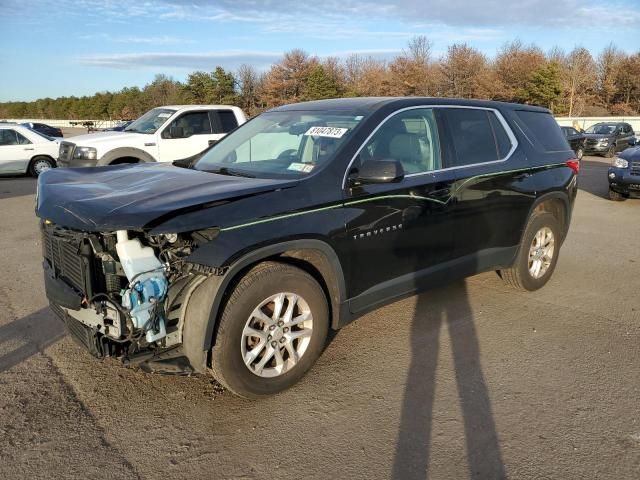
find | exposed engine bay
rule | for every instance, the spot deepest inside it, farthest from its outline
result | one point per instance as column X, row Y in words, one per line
column 125, row 288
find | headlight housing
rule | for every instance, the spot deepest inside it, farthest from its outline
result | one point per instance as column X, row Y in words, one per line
column 619, row 163
column 85, row 153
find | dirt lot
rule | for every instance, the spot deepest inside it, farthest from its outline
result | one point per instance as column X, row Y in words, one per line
column 471, row 380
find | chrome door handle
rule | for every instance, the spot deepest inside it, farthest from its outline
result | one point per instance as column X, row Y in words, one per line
column 29, row 148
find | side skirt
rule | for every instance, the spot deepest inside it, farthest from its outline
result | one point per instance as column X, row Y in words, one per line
column 415, row 282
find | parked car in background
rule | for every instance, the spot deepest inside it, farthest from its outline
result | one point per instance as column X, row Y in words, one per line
column 44, row 128
column 576, row 140
column 163, row 134
column 23, row 150
column 624, row 173
column 119, row 128
column 301, row 221
column 607, row 138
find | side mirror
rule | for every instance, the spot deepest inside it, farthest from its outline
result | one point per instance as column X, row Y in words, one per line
column 633, row 141
column 379, row 171
column 176, row 132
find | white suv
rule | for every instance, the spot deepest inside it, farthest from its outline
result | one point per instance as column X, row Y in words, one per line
column 26, row 151
column 163, row 134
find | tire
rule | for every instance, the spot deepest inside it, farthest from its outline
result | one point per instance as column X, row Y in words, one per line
column 579, row 153
column 611, row 152
column 39, row 165
column 520, row 276
column 615, row 196
column 232, row 346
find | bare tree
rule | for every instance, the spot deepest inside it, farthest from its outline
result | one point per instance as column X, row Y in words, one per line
column 579, row 74
column 513, row 67
column 465, row 72
column 608, row 65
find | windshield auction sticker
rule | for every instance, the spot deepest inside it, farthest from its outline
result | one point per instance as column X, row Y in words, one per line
column 331, row 132
column 301, row 167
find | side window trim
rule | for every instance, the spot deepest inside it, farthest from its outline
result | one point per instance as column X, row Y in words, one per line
column 501, row 119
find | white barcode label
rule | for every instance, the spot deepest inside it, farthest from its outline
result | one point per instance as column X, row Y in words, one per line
column 332, row 132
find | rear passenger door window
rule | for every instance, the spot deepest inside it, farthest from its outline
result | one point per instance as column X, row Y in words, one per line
column 476, row 137
column 409, row 137
column 223, row 121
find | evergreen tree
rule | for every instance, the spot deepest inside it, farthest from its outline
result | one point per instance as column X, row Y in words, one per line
column 320, row 85
column 544, row 86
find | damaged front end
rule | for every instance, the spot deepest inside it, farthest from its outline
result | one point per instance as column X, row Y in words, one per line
column 123, row 293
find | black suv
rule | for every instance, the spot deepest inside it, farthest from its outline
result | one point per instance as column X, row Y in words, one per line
column 576, row 140
column 607, row 138
column 298, row 222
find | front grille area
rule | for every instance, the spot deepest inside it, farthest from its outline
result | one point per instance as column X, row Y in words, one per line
column 635, row 168
column 592, row 141
column 66, row 152
column 68, row 259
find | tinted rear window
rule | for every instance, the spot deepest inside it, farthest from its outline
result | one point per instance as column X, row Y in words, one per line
column 477, row 136
column 545, row 129
column 227, row 121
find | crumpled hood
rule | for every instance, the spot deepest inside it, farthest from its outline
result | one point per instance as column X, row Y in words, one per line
column 131, row 196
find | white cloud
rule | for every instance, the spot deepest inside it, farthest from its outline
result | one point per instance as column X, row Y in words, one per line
column 279, row 13
column 153, row 40
column 202, row 61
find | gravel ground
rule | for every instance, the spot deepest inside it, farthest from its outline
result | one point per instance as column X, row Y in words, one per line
column 470, row 380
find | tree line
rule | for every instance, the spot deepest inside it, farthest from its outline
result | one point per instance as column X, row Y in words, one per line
column 570, row 83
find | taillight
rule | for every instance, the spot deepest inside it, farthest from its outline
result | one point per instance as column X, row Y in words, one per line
column 574, row 164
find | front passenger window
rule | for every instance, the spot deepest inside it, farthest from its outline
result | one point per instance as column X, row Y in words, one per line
column 409, row 137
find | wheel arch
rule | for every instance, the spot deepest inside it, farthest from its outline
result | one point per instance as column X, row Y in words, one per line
column 40, row 155
column 556, row 203
column 126, row 152
column 315, row 257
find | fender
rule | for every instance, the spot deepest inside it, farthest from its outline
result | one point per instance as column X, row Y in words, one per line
column 563, row 197
column 125, row 152
column 202, row 320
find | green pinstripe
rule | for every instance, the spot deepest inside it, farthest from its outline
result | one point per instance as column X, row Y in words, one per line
column 384, row 197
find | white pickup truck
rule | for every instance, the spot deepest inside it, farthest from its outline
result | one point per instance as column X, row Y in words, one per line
column 163, row 134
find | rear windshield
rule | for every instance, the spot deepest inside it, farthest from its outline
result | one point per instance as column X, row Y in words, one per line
column 545, row 130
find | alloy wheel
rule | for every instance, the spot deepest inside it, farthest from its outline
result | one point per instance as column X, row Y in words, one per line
column 276, row 335
column 541, row 252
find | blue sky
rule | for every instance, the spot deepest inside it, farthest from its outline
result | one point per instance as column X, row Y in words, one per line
column 53, row 48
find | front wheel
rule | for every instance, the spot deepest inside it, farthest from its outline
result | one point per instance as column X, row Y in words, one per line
column 611, row 151
column 537, row 256
column 579, row 153
column 615, row 196
column 39, row 165
column 272, row 330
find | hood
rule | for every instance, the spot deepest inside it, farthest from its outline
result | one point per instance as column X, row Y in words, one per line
column 129, row 197
column 632, row 154
column 99, row 138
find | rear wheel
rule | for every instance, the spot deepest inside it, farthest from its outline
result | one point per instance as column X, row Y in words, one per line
column 39, row 165
column 272, row 330
column 537, row 256
column 615, row 196
column 579, row 153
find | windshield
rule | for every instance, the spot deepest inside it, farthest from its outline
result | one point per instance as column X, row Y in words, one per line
column 601, row 128
column 151, row 121
column 280, row 144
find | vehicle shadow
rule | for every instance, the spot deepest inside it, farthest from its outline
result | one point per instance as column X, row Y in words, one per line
column 446, row 306
column 17, row 186
column 593, row 178
column 32, row 333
